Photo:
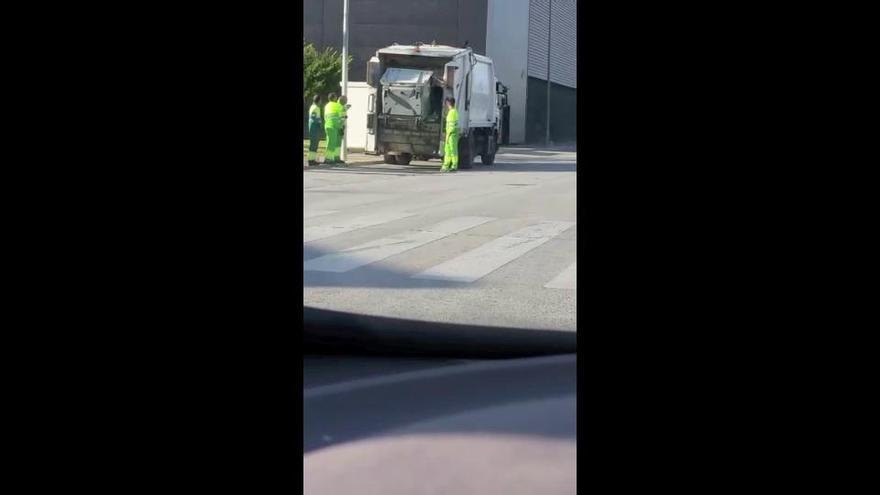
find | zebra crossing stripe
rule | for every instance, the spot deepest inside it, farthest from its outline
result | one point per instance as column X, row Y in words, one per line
column 380, row 249
column 487, row 258
column 567, row 279
column 317, row 213
column 324, row 231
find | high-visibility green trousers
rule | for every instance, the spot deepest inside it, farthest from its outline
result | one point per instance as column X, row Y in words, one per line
column 450, row 152
column 314, row 140
column 333, row 142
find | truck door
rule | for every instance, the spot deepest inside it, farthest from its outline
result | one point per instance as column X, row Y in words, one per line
column 373, row 75
column 370, row 145
column 452, row 85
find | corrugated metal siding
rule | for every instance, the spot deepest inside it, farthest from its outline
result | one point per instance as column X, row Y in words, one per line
column 563, row 60
column 538, row 14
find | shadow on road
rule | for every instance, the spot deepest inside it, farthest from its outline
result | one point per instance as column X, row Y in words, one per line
column 381, row 169
column 525, row 166
column 531, row 152
column 434, row 169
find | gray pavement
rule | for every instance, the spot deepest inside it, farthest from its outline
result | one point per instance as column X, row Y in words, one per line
column 494, row 245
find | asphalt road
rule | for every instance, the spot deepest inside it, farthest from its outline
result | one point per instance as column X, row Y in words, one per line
column 494, row 245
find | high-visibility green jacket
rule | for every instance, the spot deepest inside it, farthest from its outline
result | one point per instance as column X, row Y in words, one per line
column 333, row 114
column 452, row 122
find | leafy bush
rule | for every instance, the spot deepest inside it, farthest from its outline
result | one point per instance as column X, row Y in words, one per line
column 322, row 72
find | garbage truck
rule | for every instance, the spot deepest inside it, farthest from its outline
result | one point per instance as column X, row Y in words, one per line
column 406, row 116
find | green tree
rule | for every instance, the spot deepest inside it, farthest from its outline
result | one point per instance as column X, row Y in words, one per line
column 322, row 71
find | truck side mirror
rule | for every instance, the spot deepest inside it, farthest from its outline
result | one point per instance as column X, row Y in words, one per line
column 373, row 73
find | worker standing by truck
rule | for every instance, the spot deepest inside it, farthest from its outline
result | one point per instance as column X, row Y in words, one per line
column 332, row 126
column 315, row 124
column 450, row 151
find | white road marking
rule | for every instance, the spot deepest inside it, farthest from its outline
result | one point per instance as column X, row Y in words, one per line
column 378, row 250
column 341, row 199
column 317, row 213
column 323, row 231
column 567, row 279
column 487, row 258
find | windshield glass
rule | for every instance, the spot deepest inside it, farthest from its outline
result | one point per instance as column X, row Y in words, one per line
column 467, row 220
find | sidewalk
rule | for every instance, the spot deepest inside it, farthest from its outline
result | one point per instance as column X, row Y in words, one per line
column 517, row 152
column 569, row 147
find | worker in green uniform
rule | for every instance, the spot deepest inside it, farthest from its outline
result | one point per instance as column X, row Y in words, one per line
column 315, row 125
column 450, row 151
column 332, row 126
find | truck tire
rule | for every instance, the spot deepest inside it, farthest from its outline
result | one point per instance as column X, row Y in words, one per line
column 392, row 159
column 404, row 159
column 465, row 153
column 488, row 157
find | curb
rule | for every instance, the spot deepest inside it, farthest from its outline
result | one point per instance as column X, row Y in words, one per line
column 352, row 163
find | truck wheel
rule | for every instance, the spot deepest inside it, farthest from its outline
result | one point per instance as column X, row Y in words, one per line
column 404, row 159
column 465, row 153
column 488, row 158
column 392, row 159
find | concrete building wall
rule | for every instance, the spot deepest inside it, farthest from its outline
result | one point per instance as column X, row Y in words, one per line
column 375, row 24
column 507, row 28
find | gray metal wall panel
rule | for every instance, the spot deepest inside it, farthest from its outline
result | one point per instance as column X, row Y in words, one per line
column 539, row 13
column 472, row 24
column 331, row 21
column 379, row 35
column 312, row 32
column 563, row 43
column 420, row 12
column 563, row 48
column 312, row 10
column 563, row 112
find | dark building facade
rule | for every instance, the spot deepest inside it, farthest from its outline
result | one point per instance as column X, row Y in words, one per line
column 563, row 112
column 374, row 24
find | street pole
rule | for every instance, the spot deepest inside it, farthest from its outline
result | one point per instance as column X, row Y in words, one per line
column 549, row 24
column 345, row 71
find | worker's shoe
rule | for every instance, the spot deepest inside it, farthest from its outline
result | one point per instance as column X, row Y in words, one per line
column 313, row 163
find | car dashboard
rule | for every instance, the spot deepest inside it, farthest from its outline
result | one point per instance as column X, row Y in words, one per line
column 403, row 425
